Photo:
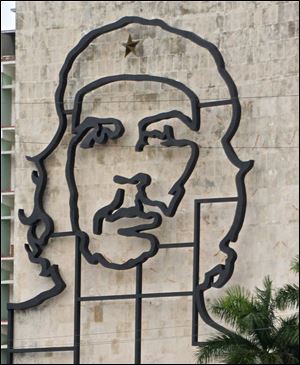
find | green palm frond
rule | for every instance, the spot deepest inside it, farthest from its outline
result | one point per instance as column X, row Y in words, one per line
column 242, row 355
column 234, row 306
column 225, row 346
column 264, row 296
column 287, row 297
column 287, row 335
column 295, row 265
column 264, row 319
column 272, row 358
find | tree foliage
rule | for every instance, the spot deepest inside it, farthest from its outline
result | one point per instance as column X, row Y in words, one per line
column 262, row 333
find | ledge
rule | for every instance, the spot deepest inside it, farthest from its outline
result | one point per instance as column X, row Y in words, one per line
column 7, row 282
column 8, row 127
column 7, row 217
column 8, row 87
column 7, row 258
column 9, row 152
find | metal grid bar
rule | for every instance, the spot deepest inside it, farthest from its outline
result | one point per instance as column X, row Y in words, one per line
column 176, row 245
column 77, row 306
column 10, row 335
column 138, row 314
column 200, row 309
column 210, row 104
column 42, row 349
column 196, row 264
column 62, row 234
column 136, row 296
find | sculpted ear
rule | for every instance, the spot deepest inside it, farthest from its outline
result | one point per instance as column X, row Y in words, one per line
column 100, row 131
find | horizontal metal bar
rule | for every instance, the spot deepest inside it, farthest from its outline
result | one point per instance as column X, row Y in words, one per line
column 42, row 349
column 166, row 295
column 216, row 200
column 107, row 297
column 135, row 296
column 176, row 245
column 62, row 234
column 200, row 344
column 163, row 245
column 215, row 103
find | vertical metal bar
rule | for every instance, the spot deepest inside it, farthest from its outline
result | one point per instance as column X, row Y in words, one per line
column 10, row 336
column 138, row 314
column 77, row 303
column 196, row 266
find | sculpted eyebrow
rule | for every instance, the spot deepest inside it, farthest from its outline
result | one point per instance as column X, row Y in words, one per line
column 99, row 130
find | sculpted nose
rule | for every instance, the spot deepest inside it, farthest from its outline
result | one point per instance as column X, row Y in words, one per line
column 141, row 180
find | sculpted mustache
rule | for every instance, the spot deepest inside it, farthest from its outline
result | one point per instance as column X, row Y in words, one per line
column 114, row 211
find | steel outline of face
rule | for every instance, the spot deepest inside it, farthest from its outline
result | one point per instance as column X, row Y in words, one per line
column 36, row 243
column 92, row 131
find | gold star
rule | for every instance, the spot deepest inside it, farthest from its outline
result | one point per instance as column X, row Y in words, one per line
column 130, row 46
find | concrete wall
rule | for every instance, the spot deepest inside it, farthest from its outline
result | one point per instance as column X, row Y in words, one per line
column 258, row 40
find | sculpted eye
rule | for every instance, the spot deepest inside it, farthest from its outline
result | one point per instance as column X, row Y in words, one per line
column 166, row 134
column 100, row 130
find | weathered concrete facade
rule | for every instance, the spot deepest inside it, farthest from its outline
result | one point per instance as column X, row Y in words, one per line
column 258, row 40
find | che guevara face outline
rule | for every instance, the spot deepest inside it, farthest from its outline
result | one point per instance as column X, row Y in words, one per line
column 36, row 243
column 95, row 130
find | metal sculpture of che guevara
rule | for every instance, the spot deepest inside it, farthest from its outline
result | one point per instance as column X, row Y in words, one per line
column 97, row 131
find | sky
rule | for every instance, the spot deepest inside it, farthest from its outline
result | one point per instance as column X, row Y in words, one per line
column 8, row 17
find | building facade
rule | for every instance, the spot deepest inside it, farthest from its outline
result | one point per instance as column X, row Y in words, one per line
column 258, row 40
column 7, row 176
